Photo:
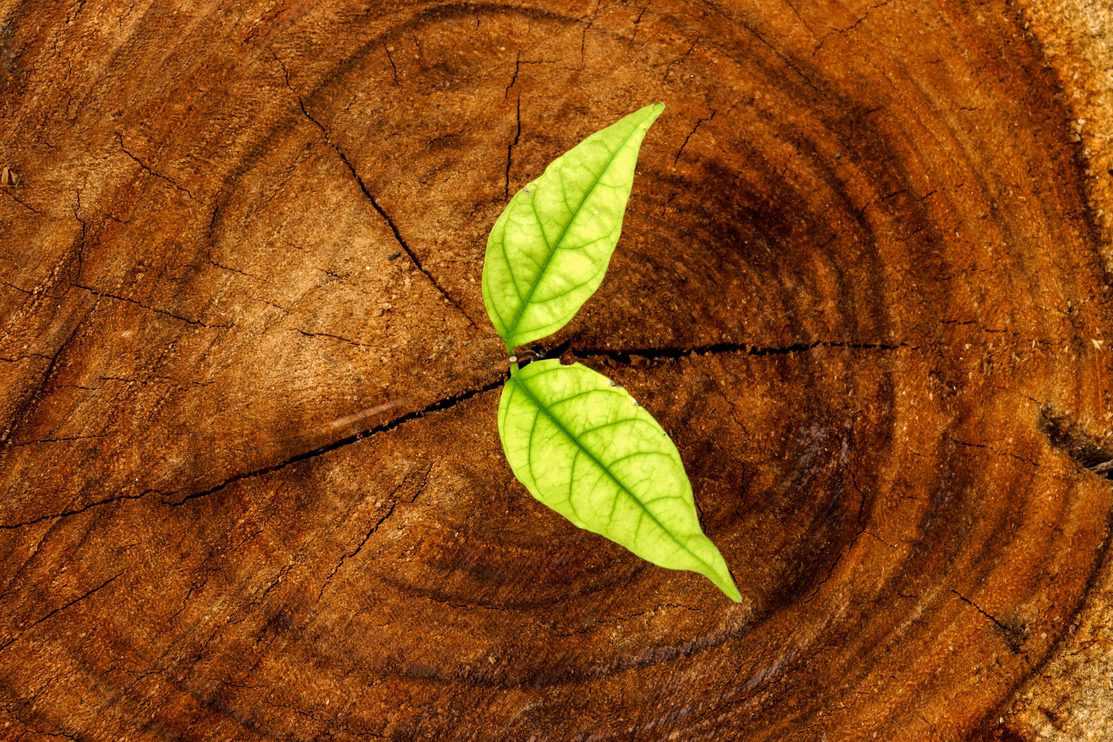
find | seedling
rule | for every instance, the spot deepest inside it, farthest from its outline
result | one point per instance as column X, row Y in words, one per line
column 579, row 443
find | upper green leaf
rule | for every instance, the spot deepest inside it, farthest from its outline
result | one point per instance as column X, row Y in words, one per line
column 550, row 247
column 583, row 446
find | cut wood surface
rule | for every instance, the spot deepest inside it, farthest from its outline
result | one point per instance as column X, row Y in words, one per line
column 250, row 480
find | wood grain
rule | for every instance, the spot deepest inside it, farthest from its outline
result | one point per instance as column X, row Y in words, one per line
column 251, row 482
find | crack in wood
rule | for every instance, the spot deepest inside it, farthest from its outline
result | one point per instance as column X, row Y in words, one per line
column 370, row 197
column 699, row 123
column 440, row 405
column 626, row 355
column 157, row 310
column 10, row 194
column 55, row 611
column 1013, row 634
column 681, row 58
column 1066, row 435
column 373, row 529
column 76, row 511
column 393, row 66
column 618, row 355
column 330, row 336
column 149, row 170
column 514, row 77
column 30, row 400
column 510, row 148
column 842, row 31
column 637, row 24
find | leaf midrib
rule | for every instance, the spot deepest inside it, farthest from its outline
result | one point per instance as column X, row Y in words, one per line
column 512, row 329
column 559, row 424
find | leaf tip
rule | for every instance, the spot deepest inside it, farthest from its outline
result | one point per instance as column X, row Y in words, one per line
column 653, row 110
column 719, row 574
column 731, row 590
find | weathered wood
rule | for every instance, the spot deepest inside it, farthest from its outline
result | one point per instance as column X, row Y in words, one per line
column 251, row 481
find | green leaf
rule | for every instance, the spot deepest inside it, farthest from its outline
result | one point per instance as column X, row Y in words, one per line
column 549, row 249
column 583, row 446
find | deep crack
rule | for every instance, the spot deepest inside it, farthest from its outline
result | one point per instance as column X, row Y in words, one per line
column 370, row 197
column 625, row 355
column 75, row 511
column 619, row 355
column 438, row 406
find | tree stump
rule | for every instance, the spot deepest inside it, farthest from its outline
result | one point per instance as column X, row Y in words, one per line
column 252, row 486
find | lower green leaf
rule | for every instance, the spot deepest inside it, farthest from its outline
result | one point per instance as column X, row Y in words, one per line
column 583, row 447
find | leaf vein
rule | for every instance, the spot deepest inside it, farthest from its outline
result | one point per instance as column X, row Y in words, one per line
column 512, row 329
column 622, row 487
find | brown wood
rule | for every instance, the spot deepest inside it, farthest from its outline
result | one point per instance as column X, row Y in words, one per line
column 251, row 484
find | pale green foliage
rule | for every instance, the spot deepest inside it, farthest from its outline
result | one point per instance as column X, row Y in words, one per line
column 580, row 444
column 583, row 446
column 549, row 249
